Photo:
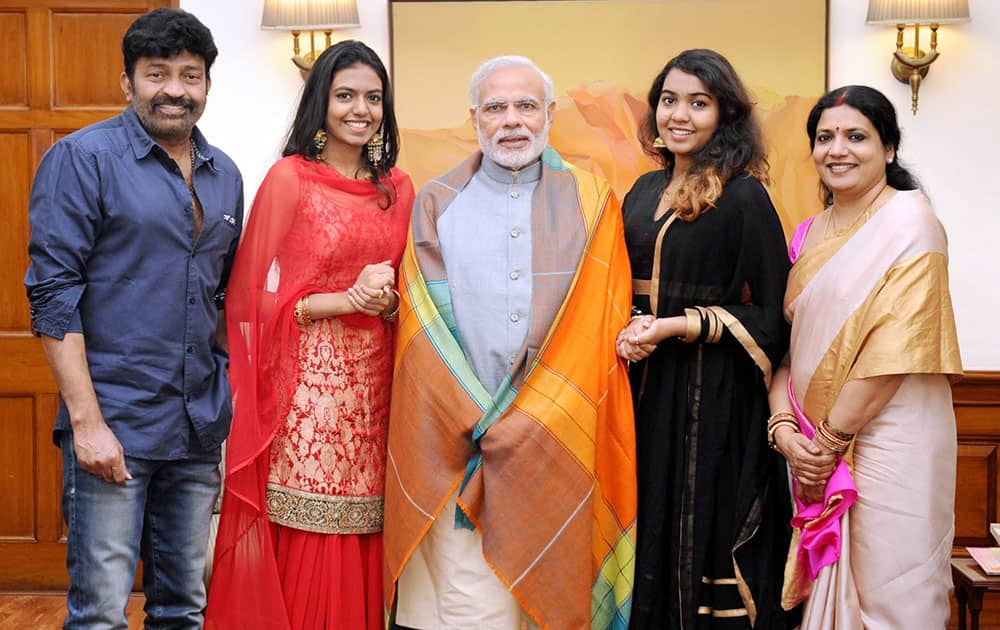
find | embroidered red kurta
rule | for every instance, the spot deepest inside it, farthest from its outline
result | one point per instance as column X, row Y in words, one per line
column 307, row 447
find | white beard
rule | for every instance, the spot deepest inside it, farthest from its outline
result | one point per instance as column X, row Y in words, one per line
column 514, row 159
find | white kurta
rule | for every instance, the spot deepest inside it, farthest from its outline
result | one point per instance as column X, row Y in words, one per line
column 486, row 247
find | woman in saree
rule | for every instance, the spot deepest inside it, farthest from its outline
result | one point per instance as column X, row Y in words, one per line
column 863, row 410
column 709, row 269
column 310, row 310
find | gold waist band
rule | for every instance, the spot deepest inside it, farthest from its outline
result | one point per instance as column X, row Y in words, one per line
column 324, row 514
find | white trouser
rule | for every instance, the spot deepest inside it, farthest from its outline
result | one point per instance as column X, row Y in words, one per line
column 448, row 585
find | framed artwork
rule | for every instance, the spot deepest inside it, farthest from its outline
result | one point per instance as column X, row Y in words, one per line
column 602, row 57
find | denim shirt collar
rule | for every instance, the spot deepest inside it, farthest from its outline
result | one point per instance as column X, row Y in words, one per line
column 142, row 143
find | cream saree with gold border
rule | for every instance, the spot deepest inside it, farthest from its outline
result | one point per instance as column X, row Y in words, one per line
column 874, row 301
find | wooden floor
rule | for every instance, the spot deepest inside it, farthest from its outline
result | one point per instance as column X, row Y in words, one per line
column 45, row 611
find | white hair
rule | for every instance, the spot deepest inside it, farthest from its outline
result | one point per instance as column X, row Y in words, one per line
column 499, row 63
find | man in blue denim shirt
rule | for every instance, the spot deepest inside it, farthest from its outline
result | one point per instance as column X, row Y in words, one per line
column 134, row 224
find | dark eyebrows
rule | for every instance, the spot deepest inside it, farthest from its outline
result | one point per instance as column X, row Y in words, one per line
column 165, row 65
column 850, row 130
column 704, row 95
column 344, row 88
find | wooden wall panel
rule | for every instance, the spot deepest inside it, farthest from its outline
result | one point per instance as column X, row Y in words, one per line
column 13, row 59
column 977, row 412
column 15, row 186
column 976, row 494
column 17, row 487
column 50, row 525
column 59, row 67
column 85, row 68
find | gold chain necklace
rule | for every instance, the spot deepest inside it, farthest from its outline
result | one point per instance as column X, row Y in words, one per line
column 193, row 155
column 361, row 170
column 858, row 219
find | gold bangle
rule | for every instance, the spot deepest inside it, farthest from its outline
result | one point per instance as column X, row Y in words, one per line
column 772, row 429
column 829, row 440
column 391, row 317
column 822, row 439
column 303, row 316
column 824, row 427
column 782, row 414
column 843, row 435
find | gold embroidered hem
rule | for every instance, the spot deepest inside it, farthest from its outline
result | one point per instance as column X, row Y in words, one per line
column 324, row 514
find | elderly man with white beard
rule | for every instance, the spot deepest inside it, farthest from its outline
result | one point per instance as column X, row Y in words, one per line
column 510, row 495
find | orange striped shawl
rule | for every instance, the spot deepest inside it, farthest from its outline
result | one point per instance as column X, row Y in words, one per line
column 555, row 495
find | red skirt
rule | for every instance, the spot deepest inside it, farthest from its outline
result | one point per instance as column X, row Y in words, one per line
column 330, row 581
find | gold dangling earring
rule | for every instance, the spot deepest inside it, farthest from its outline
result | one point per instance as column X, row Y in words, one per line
column 659, row 143
column 319, row 141
column 375, row 146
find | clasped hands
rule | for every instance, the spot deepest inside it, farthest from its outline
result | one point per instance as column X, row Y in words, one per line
column 635, row 341
column 372, row 292
column 811, row 464
column 643, row 333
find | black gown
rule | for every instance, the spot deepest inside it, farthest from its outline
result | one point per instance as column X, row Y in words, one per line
column 714, row 508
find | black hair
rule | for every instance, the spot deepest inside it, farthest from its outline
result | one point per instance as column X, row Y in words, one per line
column 311, row 114
column 163, row 33
column 737, row 146
column 879, row 111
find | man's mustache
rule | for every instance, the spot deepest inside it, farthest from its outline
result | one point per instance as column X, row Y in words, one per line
column 180, row 102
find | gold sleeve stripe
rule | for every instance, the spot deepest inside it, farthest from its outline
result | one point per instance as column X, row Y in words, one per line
column 719, row 581
column 693, row 320
column 654, row 276
column 716, row 328
column 725, row 613
column 746, row 340
column 745, row 594
column 642, row 287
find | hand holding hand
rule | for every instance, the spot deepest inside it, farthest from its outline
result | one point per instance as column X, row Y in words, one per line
column 377, row 276
column 370, row 301
column 633, row 342
column 810, row 464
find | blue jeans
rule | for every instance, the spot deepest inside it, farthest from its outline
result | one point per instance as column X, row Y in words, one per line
column 163, row 514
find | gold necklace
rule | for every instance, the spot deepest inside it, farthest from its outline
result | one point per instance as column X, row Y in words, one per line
column 192, row 151
column 361, row 170
column 858, row 219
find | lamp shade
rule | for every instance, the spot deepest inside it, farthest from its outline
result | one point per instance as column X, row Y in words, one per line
column 310, row 15
column 917, row 11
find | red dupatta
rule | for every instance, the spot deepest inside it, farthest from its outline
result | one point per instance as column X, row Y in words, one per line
column 293, row 246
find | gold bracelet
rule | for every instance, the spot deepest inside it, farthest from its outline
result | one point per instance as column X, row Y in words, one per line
column 391, row 317
column 829, row 440
column 303, row 316
column 843, row 435
column 773, row 428
column 825, row 441
column 840, row 439
column 782, row 414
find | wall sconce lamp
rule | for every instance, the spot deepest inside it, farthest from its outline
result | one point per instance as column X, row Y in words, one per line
column 910, row 65
column 309, row 15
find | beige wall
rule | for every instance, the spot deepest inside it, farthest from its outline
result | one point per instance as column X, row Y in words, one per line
column 950, row 143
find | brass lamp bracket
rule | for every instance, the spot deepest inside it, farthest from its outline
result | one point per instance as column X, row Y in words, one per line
column 910, row 65
column 305, row 61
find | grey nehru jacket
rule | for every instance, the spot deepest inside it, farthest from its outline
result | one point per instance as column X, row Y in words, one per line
column 485, row 237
